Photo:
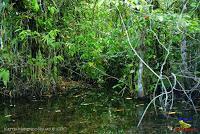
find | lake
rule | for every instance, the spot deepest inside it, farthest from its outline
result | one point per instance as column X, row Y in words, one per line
column 88, row 111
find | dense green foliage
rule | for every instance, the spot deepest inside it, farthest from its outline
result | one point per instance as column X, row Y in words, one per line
column 95, row 41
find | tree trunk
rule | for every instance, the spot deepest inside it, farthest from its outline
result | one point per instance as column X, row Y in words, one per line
column 184, row 55
column 140, row 84
column 185, row 71
column 1, row 41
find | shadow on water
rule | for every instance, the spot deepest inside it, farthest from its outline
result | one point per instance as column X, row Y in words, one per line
column 83, row 111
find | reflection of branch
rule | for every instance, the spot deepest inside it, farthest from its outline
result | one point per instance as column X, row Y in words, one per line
column 164, row 93
column 187, row 96
column 149, row 105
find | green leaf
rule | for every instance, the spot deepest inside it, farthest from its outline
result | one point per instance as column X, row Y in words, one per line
column 91, row 64
column 100, row 2
column 58, row 58
column 35, row 5
column 4, row 76
column 52, row 10
column 53, row 33
column 24, row 34
column 132, row 71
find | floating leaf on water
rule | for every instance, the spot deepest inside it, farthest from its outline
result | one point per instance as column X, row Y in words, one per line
column 170, row 128
column 7, row 116
column 34, row 100
column 170, row 113
column 85, row 104
column 119, row 110
column 100, row 105
column 77, row 95
column 139, row 105
column 175, row 108
column 184, row 124
column 58, row 111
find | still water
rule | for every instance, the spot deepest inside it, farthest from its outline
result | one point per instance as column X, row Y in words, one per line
column 88, row 111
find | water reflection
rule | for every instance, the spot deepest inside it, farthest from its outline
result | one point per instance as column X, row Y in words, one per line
column 83, row 111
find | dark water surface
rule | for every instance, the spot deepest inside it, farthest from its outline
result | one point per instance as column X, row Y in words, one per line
column 83, row 111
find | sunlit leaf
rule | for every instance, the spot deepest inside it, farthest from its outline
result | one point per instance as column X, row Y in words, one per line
column 35, row 5
column 91, row 64
column 4, row 76
column 100, row 2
